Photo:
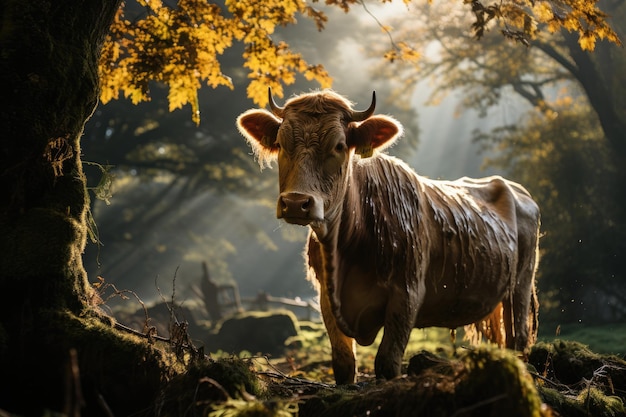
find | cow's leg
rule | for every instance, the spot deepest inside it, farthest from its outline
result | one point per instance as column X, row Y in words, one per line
column 388, row 362
column 520, row 310
column 343, row 347
column 524, row 299
column 524, row 305
column 399, row 321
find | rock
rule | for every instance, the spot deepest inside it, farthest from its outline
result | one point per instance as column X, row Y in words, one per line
column 256, row 332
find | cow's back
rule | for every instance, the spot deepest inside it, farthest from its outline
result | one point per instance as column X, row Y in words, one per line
column 456, row 239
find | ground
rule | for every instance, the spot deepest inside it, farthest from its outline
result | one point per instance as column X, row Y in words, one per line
column 561, row 377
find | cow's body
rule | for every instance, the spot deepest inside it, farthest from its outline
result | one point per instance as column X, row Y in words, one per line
column 390, row 248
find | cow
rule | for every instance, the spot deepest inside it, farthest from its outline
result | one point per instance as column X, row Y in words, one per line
column 388, row 248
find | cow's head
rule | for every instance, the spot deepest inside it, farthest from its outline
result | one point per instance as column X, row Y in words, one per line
column 314, row 138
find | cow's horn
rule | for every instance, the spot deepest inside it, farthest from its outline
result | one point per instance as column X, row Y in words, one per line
column 278, row 111
column 359, row 116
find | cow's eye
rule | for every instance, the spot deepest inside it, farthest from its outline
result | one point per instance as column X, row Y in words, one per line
column 340, row 147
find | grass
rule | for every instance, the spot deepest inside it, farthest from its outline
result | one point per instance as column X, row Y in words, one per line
column 603, row 338
column 315, row 347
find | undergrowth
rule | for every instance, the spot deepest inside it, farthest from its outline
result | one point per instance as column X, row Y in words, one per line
column 442, row 377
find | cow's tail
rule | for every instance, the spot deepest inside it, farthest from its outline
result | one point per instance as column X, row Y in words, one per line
column 491, row 328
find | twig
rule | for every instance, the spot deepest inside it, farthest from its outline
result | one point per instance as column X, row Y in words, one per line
column 277, row 373
column 213, row 382
column 378, row 22
column 120, row 326
column 101, row 288
column 289, row 379
column 557, row 385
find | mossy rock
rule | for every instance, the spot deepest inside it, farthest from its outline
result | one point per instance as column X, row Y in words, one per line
column 588, row 402
column 500, row 383
column 255, row 332
column 570, row 362
column 425, row 360
column 577, row 382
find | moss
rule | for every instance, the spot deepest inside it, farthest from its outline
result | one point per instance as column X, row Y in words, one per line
column 243, row 408
column 588, row 402
column 570, row 362
column 601, row 338
column 597, row 404
column 483, row 382
column 207, row 383
column 564, row 405
column 41, row 242
column 573, row 360
column 112, row 363
column 235, row 375
column 500, row 379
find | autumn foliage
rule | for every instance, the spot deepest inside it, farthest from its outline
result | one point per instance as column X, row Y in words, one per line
column 180, row 46
column 521, row 20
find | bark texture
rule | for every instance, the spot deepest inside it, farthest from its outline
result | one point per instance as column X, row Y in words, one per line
column 49, row 53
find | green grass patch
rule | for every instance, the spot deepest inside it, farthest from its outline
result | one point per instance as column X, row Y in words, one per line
column 605, row 338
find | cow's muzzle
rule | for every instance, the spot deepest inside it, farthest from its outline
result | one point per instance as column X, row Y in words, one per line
column 299, row 208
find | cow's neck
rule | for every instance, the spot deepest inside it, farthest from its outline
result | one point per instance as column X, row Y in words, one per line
column 342, row 236
column 328, row 230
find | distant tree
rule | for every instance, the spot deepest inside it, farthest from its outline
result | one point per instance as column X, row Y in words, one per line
column 53, row 339
column 567, row 165
column 486, row 71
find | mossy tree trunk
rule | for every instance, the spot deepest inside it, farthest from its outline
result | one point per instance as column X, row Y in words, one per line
column 49, row 87
column 49, row 53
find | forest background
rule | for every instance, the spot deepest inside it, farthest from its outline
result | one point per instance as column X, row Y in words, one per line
column 176, row 193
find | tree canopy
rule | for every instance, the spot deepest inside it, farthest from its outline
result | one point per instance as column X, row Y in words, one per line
column 180, row 46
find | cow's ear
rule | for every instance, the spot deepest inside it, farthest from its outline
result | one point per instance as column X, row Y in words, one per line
column 377, row 132
column 260, row 128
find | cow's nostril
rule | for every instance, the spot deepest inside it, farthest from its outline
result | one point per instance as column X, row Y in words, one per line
column 306, row 204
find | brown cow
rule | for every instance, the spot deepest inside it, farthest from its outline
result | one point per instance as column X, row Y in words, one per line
column 390, row 248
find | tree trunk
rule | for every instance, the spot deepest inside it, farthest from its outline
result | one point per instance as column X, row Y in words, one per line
column 599, row 94
column 49, row 53
column 596, row 80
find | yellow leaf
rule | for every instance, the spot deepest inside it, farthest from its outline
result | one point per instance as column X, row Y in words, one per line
column 543, row 11
column 587, row 41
